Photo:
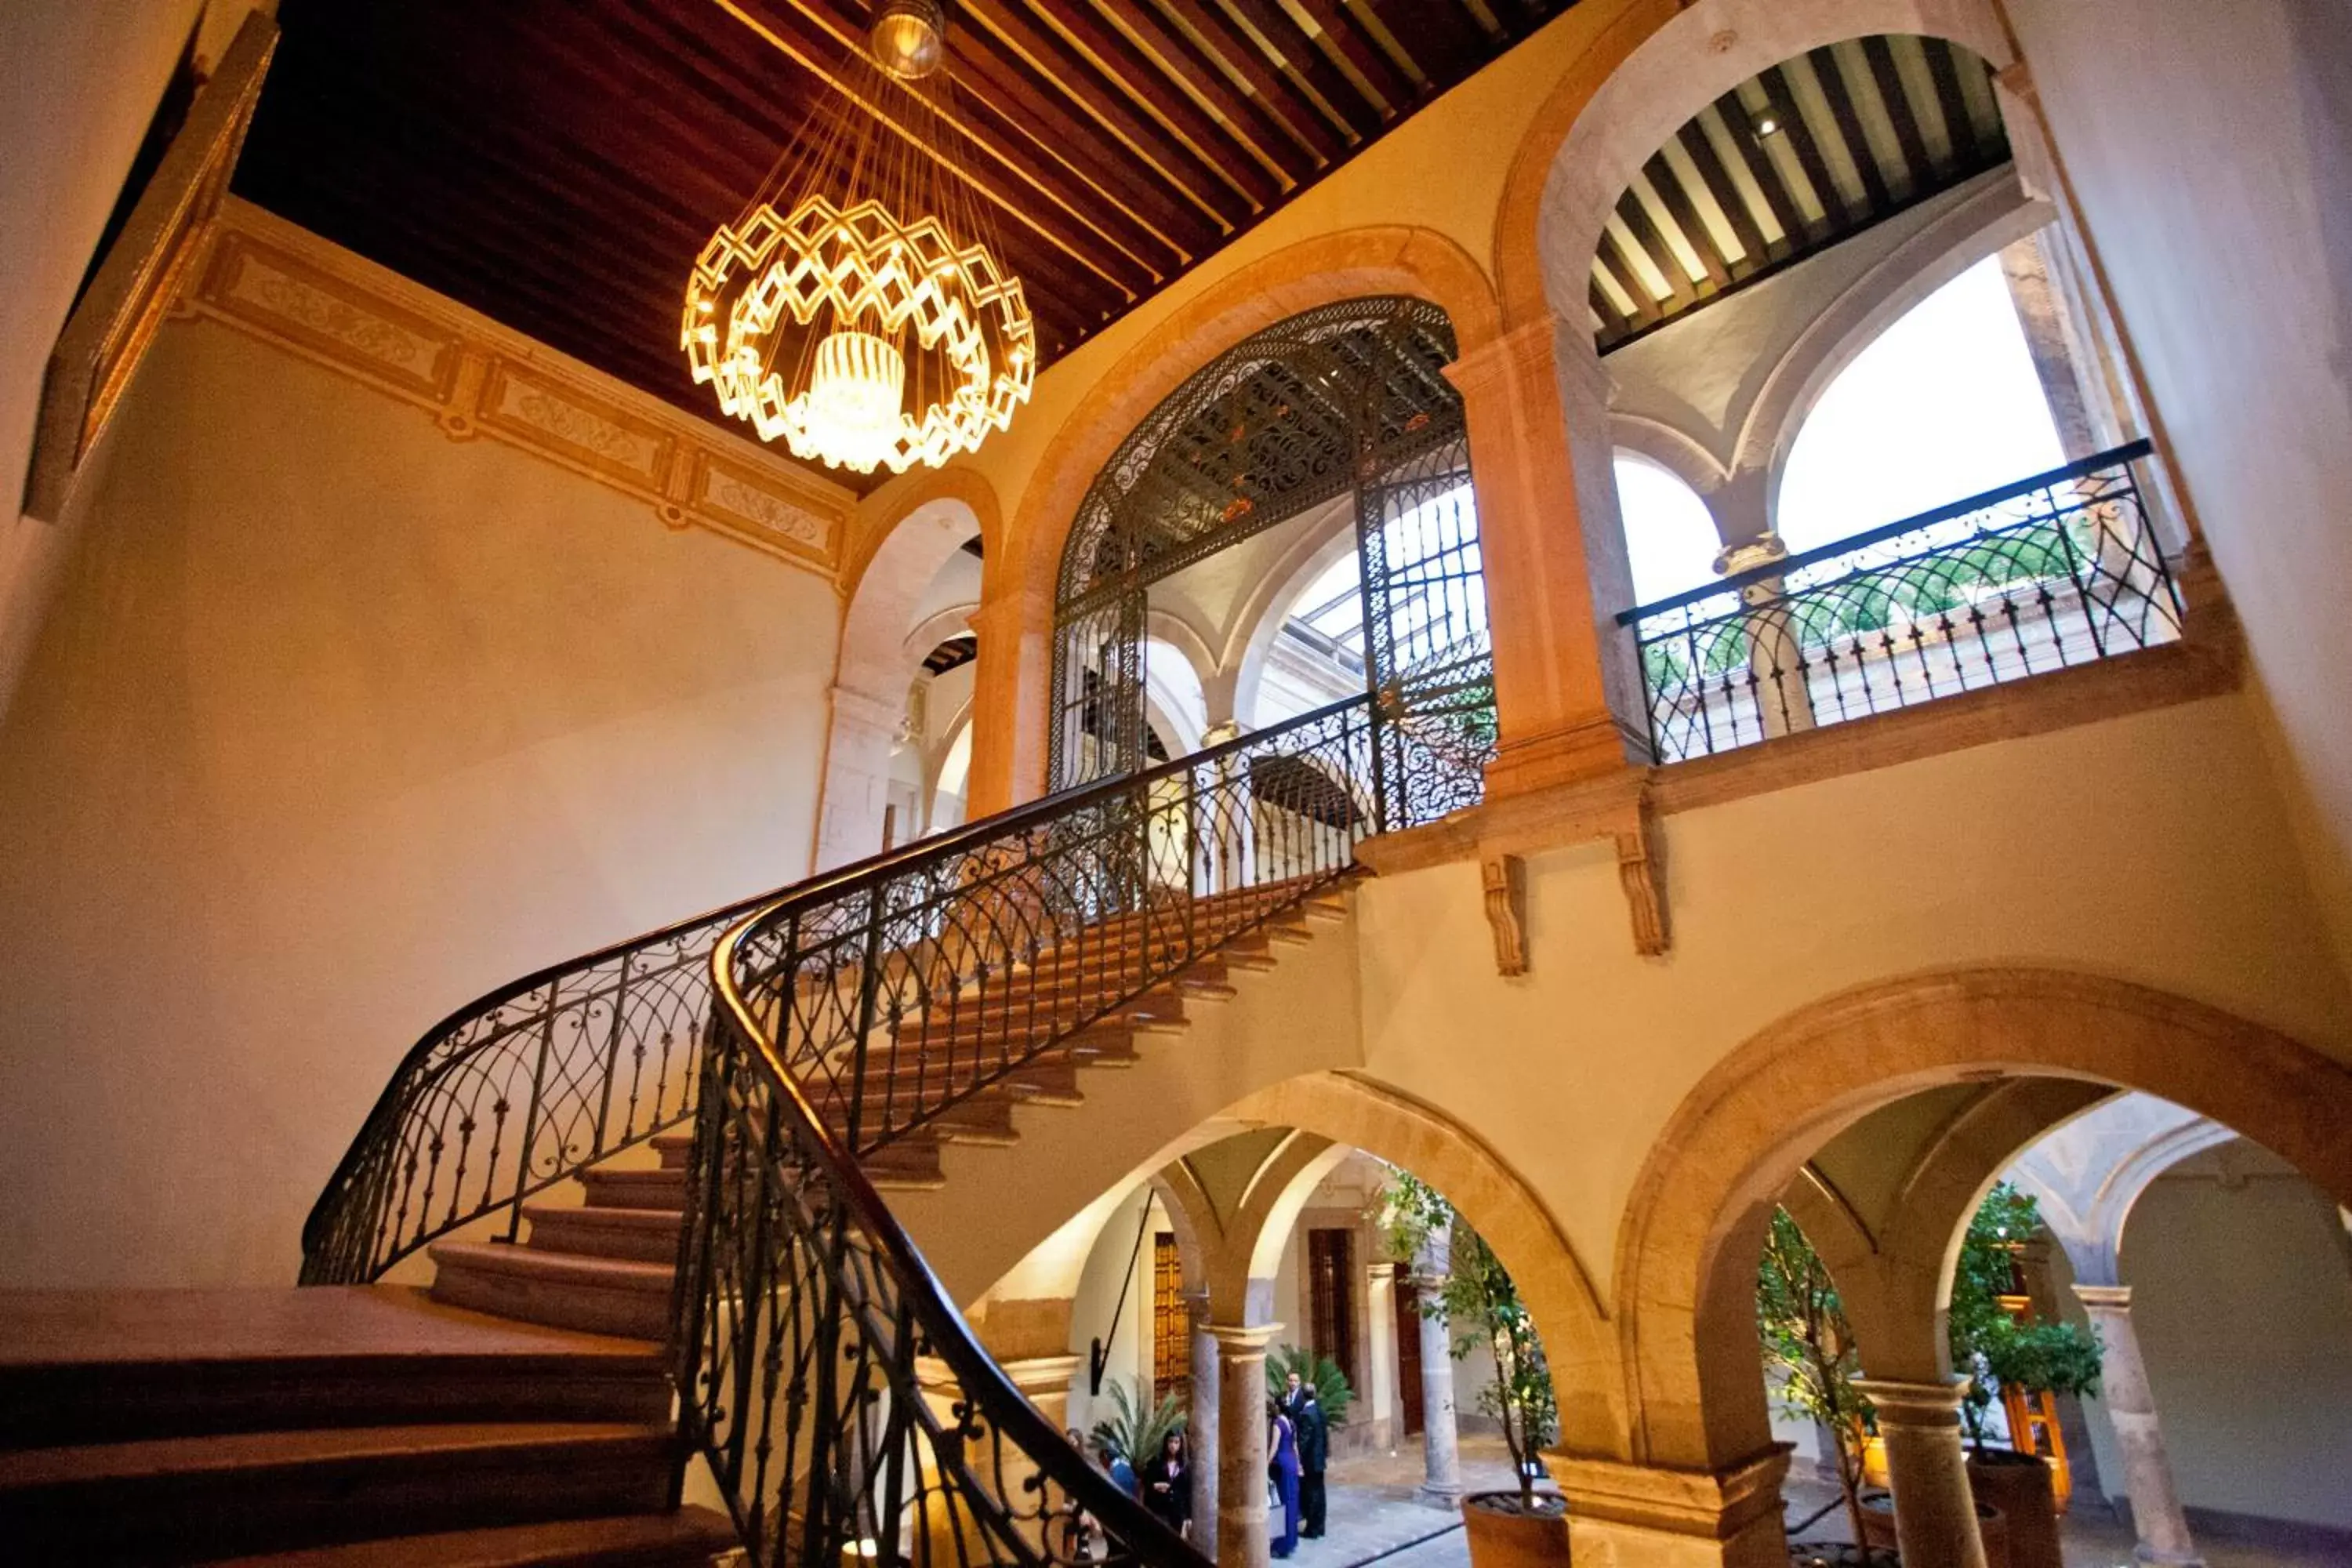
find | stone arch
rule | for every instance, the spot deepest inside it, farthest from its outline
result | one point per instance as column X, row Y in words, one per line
column 2087, row 1197
column 1651, row 68
column 1577, row 1338
column 1686, row 1267
column 1257, row 626
column 1328, row 268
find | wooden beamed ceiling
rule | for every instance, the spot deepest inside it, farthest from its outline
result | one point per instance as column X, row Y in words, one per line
column 1810, row 151
column 558, row 164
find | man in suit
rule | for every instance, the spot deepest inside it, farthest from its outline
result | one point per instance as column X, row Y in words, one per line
column 1306, row 1413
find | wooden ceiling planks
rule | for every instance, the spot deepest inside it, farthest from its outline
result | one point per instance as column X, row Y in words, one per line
column 1828, row 143
column 558, row 164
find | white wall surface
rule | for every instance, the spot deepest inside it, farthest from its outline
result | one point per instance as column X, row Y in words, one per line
column 337, row 724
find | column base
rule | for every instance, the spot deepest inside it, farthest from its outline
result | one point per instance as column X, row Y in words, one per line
column 1448, row 1498
column 1641, row 1516
column 1594, row 748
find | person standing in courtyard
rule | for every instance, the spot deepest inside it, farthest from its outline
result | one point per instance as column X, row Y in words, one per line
column 1314, row 1433
column 1282, row 1472
column 1168, row 1484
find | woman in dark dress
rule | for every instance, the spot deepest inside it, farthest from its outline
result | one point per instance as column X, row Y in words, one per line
column 1168, row 1485
column 1282, row 1467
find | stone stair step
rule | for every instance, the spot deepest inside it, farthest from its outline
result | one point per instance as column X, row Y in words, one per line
column 640, row 1236
column 562, row 1289
column 96, row 1366
column 675, row 1148
column 689, row 1536
column 654, row 1189
column 193, row 1499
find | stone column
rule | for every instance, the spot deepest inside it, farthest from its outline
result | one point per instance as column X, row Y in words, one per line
column 2131, row 1405
column 1380, row 1363
column 1549, row 536
column 856, row 775
column 1228, row 824
column 1441, row 1451
column 1639, row 1516
column 1784, row 704
column 1201, row 1426
column 1012, row 691
column 1935, row 1512
column 1243, row 1537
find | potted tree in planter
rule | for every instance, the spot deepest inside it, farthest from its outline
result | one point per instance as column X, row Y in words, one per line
column 1998, row 1350
column 1808, row 1343
column 1521, row 1529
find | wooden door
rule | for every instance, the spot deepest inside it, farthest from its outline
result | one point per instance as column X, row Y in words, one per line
column 1408, row 1343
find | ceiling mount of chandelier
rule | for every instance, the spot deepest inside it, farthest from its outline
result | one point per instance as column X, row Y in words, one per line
column 857, row 309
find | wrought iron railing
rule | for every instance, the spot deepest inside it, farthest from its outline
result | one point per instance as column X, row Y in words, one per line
column 833, row 1388
column 2054, row 571
column 516, row 1091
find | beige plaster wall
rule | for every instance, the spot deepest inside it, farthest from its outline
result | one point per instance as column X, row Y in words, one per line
column 2242, row 1294
column 336, row 725
column 2210, row 148
column 78, row 82
column 2151, row 849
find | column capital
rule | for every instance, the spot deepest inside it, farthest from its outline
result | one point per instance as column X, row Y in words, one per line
column 1715, row 1504
column 1380, row 1270
column 2103, row 1298
column 1746, row 556
column 1530, row 342
column 1915, row 1403
column 1237, row 1341
column 852, row 705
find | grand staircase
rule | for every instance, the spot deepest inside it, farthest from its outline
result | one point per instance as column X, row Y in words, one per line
column 728, row 1098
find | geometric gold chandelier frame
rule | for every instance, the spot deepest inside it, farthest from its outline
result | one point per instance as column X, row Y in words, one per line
column 864, row 265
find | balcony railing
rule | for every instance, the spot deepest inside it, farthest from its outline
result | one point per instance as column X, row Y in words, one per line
column 2054, row 571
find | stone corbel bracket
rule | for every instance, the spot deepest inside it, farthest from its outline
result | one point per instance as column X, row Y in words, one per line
column 111, row 329
column 1500, row 834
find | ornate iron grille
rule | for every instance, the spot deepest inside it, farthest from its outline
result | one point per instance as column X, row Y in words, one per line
column 2053, row 571
column 516, row 1092
column 1307, row 410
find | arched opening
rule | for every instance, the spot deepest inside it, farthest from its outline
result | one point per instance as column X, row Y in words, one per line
column 1670, row 535
column 1830, row 288
column 1218, row 490
column 1944, row 403
column 1882, row 1120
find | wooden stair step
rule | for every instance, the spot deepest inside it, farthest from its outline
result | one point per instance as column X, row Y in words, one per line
column 689, row 1536
column 652, row 1189
column 640, row 1236
column 190, row 1499
column 89, row 1367
column 564, row 1289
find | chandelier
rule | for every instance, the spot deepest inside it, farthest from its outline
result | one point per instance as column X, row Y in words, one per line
column 857, row 310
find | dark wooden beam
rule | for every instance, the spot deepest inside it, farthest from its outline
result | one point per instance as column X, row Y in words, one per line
column 1776, row 193
column 1356, row 112
column 1832, row 77
column 1888, row 79
column 1801, row 141
column 1653, row 241
column 1700, row 150
column 1685, row 211
column 1275, row 138
column 1445, row 40
column 1629, row 277
column 1208, row 22
column 1364, row 57
column 1944, row 67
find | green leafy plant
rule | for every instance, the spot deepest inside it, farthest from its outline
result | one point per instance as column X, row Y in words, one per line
column 1808, row 1343
column 1482, row 1304
column 1330, row 1384
column 1997, row 1349
column 1132, row 1432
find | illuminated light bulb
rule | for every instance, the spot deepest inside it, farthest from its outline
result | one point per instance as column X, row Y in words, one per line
column 856, row 393
column 910, row 38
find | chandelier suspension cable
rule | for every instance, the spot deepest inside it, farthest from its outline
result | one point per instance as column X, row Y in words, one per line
column 859, row 309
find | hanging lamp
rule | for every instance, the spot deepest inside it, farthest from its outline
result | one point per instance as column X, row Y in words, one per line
column 856, row 310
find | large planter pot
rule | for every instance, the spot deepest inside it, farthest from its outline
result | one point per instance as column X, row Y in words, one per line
column 1878, row 1530
column 1503, row 1536
column 2019, row 1486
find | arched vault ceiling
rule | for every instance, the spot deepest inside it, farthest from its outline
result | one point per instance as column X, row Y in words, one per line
column 1788, row 163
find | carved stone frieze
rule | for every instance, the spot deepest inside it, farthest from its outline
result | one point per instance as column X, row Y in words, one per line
column 301, row 293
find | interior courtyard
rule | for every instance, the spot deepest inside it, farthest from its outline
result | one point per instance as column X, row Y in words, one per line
column 987, row 784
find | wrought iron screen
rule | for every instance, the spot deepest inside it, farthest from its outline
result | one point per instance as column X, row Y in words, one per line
column 1328, row 401
column 2054, row 571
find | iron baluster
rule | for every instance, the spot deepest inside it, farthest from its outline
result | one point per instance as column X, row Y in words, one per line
column 611, row 1052
column 530, row 1113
